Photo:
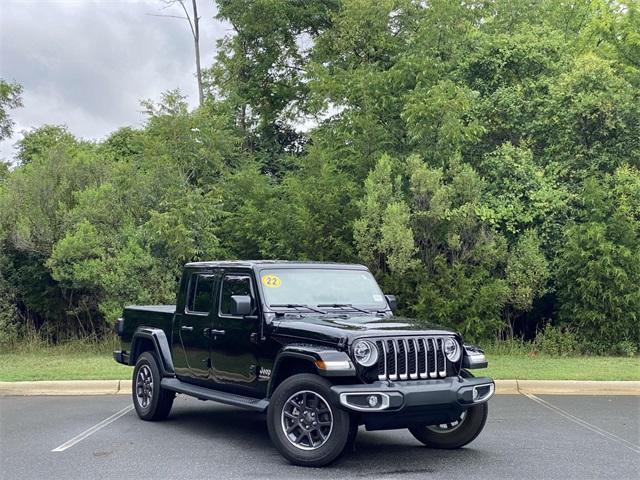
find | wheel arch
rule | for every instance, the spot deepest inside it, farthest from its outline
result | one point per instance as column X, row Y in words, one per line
column 293, row 359
column 155, row 340
column 290, row 364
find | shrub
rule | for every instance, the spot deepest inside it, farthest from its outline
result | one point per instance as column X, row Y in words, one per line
column 599, row 263
column 9, row 322
column 9, row 327
column 557, row 341
column 627, row 348
column 508, row 346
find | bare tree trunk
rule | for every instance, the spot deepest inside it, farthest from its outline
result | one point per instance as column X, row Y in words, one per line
column 196, row 40
column 194, row 25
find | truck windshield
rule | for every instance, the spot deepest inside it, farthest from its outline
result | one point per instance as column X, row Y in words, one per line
column 315, row 287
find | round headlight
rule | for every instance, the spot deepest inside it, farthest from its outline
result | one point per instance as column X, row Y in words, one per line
column 365, row 353
column 452, row 349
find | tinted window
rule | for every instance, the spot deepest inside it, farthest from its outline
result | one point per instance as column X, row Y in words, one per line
column 201, row 295
column 233, row 285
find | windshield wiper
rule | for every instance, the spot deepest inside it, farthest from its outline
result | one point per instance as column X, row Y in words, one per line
column 344, row 305
column 298, row 306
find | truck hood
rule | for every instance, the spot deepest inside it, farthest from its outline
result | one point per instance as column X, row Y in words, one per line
column 342, row 328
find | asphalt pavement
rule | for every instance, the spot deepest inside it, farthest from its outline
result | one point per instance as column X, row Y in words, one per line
column 96, row 437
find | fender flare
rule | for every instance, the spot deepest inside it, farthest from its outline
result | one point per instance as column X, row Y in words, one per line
column 326, row 361
column 161, row 346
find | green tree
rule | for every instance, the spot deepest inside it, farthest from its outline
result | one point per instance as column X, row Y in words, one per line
column 39, row 142
column 527, row 274
column 34, row 200
column 521, row 195
column 4, row 171
column 434, row 246
column 439, row 121
column 594, row 120
column 10, row 98
column 481, row 157
column 599, row 265
column 260, row 71
column 381, row 191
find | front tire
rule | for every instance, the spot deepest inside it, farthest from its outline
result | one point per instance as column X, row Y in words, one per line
column 456, row 434
column 306, row 427
column 152, row 402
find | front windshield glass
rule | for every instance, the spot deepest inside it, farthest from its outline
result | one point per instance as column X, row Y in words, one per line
column 321, row 287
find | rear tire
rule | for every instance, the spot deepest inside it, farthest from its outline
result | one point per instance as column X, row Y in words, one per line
column 152, row 402
column 306, row 427
column 452, row 436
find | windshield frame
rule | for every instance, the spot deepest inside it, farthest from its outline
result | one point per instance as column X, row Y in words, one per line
column 373, row 308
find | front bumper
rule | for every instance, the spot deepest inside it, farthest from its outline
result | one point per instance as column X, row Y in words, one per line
column 385, row 405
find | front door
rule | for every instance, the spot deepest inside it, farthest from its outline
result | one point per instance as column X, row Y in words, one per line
column 234, row 339
column 195, row 325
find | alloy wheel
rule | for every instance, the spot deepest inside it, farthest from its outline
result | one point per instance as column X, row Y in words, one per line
column 448, row 427
column 307, row 420
column 144, row 386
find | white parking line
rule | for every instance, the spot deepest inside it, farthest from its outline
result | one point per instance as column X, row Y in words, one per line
column 92, row 430
column 631, row 446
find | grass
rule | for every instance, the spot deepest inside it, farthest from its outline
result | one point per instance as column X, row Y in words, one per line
column 544, row 367
column 94, row 362
column 35, row 359
column 53, row 365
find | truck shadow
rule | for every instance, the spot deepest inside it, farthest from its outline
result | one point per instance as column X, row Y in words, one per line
column 396, row 452
column 379, row 453
column 221, row 422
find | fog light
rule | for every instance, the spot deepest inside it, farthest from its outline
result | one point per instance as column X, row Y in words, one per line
column 367, row 401
column 476, row 394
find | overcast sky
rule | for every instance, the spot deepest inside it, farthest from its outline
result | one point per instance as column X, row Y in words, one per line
column 87, row 64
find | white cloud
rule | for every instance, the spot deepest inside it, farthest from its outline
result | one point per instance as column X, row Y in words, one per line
column 87, row 64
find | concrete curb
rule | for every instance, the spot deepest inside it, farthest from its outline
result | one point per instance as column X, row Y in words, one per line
column 65, row 387
column 503, row 387
column 575, row 387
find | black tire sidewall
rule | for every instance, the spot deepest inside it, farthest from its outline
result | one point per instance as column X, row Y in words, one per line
column 338, row 438
column 147, row 413
column 473, row 424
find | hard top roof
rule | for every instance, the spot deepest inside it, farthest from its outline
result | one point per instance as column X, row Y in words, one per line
column 272, row 263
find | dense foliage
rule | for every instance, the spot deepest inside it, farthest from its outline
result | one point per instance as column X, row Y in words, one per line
column 482, row 158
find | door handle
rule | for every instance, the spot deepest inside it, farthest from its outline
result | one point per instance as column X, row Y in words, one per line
column 216, row 332
column 185, row 328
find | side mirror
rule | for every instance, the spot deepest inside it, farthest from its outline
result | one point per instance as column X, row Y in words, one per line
column 240, row 305
column 393, row 304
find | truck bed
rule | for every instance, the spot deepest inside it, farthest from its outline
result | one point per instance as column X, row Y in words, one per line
column 154, row 308
column 156, row 316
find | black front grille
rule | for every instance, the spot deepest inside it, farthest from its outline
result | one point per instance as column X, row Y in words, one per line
column 402, row 357
column 411, row 358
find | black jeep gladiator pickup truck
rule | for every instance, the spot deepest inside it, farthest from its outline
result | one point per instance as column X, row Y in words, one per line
column 314, row 345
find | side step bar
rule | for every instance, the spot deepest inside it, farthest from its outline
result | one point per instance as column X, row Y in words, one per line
column 204, row 393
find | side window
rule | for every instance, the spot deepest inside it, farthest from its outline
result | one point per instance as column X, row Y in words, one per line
column 200, row 294
column 234, row 285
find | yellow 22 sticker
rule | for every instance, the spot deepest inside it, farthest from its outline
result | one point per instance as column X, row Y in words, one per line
column 271, row 281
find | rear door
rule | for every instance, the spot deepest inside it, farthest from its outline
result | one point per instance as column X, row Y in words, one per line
column 234, row 345
column 195, row 324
